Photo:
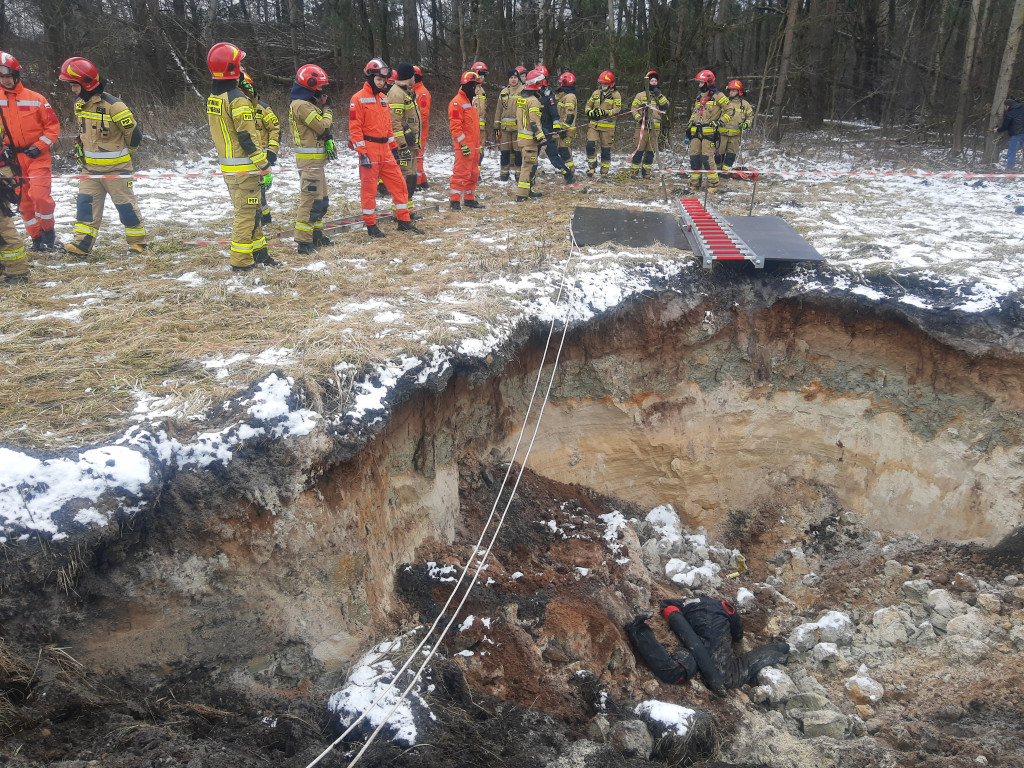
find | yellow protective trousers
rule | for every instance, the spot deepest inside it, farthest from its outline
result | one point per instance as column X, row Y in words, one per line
column 92, row 194
column 247, row 230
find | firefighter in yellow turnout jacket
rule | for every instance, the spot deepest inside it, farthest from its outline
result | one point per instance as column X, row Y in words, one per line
column 268, row 129
column 311, row 119
column 649, row 108
column 529, row 133
column 13, row 256
column 567, row 114
column 107, row 137
column 405, row 122
column 505, row 126
column 742, row 118
column 243, row 161
column 710, row 112
column 602, row 107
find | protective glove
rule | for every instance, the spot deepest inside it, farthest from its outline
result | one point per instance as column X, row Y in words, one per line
column 271, row 156
column 686, row 141
column 593, row 114
column 325, row 100
column 364, row 160
column 79, row 152
column 466, row 151
column 404, row 157
column 33, row 152
column 570, row 119
column 715, row 123
column 266, row 180
column 744, row 125
column 332, row 151
column 655, row 90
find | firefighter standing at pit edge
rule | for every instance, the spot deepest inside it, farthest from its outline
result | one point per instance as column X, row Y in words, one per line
column 423, row 102
column 529, row 133
column 602, row 107
column 567, row 112
column 405, row 124
column 268, row 129
column 311, row 119
column 370, row 135
column 505, row 126
column 464, row 123
column 711, row 110
column 480, row 102
column 243, row 161
column 649, row 108
column 741, row 119
column 107, row 137
column 33, row 127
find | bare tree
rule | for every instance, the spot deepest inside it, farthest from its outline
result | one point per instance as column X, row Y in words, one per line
column 1003, row 82
column 774, row 130
column 963, row 102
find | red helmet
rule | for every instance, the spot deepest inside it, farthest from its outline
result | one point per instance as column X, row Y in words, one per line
column 520, row 70
column 606, row 78
column 567, row 78
column 6, row 60
column 469, row 77
column 735, row 85
column 535, row 79
column 225, row 61
column 81, row 71
column 311, row 76
column 480, row 68
column 393, row 77
column 652, row 73
column 376, row 67
column 542, row 68
column 418, row 72
column 705, row 76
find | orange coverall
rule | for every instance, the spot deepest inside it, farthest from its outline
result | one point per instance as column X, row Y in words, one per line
column 464, row 122
column 32, row 123
column 369, row 130
column 423, row 100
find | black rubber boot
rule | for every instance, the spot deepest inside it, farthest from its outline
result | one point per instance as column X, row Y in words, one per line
column 408, row 226
column 49, row 239
column 307, row 248
column 37, row 243
column 262, row 256
column 473, row 204
column 320, row 239
column 455, row 205
column 374, row 231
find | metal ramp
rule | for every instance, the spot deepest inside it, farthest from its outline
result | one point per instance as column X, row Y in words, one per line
column 712, row 237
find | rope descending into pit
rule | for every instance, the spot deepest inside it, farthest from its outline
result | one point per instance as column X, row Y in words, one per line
column 565, row 289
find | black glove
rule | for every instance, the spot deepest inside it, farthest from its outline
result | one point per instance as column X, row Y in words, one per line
column 325, row 100
column 271, row 156
column 405, row 157
column 33, row 152
column 570, row 119
column 655, row 90
column 364, row 160
column 593, row 114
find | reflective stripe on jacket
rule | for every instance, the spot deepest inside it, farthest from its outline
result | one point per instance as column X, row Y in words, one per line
column 108, row 132
column 464, row 122
column 311, row 126
column 232, row 121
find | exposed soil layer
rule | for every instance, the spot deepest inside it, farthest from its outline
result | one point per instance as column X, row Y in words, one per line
column 210, row 630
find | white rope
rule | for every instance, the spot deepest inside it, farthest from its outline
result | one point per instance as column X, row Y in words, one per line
column 476, row 548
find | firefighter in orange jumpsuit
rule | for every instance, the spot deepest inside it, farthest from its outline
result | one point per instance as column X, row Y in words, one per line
column 33, row 127
column 464, row 122
column 370, row 135
column 423, row 102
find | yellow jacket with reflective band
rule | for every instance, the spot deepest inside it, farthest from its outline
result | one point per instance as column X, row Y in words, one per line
column 233, row 129
column 268, row 127
column 480, row 102
column 610, row 101
column 742, row 112
column 644, row 99
column 715, row 108
column 567, row 106
column 311, row 126
column 405, row 116
column 528, row 110
column 505, row 109
column 108, row 132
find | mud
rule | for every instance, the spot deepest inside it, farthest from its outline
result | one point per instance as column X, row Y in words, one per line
column 209, row 628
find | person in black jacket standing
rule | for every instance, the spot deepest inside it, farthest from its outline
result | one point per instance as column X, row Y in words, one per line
column 1013, row 124
column 707, row 627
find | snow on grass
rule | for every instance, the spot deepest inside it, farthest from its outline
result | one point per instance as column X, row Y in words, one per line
column 676, row 719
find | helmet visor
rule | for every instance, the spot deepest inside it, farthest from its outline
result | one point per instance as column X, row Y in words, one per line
column 6, row 71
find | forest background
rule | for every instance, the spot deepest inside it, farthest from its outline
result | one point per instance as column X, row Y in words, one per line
column 931, row 70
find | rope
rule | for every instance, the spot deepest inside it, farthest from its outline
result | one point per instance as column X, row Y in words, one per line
column 476, row 548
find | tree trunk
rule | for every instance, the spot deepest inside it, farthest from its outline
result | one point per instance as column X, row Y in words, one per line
column 457, row 11
column 611, row 34
column 963, row 102
column 775, row 128
column 411, row 30
column 1003, row 81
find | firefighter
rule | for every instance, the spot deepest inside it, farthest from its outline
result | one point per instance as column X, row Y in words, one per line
column 370, row 135
column 552, row 127
column 529, row 133
column 13, row 258
column 464, row 123
column 108, row 136
column 33, row 127
column 243, row 160
column 602, row 107
column 649, row 108
column 405, row 123
column 268, row 129
column 707, row 627
column 480, row 101
column 311, row 119
column 423, row 102
column 741, row 119
column 567, row 112
column 505, row 125
column 711, row 111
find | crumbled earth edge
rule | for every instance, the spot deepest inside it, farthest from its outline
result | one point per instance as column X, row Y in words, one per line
column 561, row 664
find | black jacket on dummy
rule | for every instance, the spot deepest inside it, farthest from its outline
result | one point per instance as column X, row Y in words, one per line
column 548, row 117
column 707, row 627
column 1013, row 120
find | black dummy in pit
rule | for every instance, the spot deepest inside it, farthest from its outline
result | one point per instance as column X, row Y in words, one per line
column 707, row 628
